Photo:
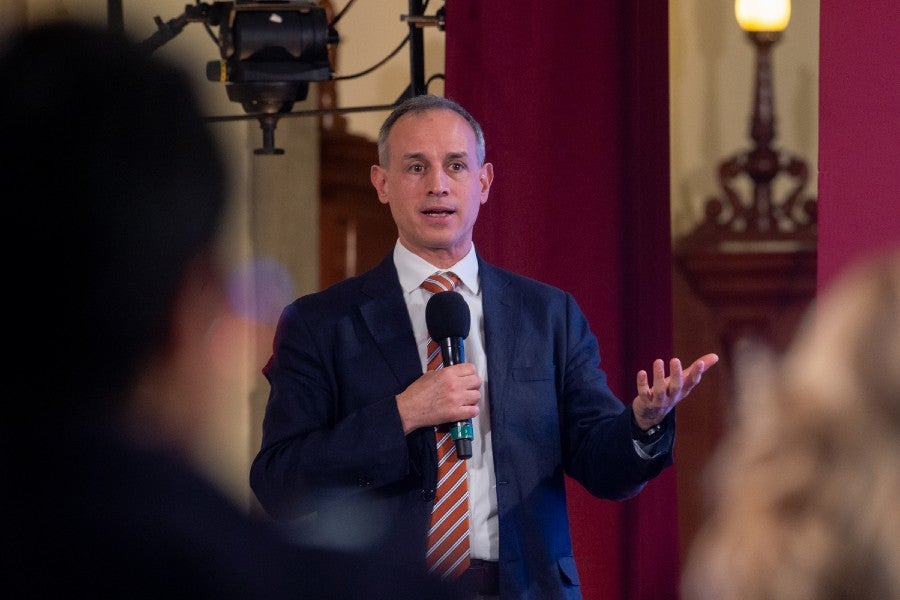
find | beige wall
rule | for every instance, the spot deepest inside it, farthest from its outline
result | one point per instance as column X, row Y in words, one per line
column 370, row 31
column 275, row 197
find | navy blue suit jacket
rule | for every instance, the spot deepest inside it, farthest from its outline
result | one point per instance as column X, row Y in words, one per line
column 335, row 462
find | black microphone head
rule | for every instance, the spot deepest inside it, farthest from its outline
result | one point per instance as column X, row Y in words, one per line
column 447, row 315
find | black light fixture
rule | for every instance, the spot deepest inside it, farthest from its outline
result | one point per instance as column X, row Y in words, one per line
column 272, row 49
column 270, row 52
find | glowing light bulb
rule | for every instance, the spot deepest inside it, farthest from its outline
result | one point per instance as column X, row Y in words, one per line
column 762, row 15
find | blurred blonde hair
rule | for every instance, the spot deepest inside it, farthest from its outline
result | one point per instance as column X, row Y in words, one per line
column 805, row 487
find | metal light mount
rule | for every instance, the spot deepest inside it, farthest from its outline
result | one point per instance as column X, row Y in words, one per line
column 417, row 20
column 270, row 51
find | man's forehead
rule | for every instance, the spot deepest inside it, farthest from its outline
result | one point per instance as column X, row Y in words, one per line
column 447, row 118
column 444, row 130
column 424, row 156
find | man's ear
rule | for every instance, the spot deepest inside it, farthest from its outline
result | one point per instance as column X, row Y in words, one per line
column 486, row 178
column 379, row 181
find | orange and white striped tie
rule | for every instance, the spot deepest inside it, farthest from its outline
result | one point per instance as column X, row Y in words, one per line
column 448, row 535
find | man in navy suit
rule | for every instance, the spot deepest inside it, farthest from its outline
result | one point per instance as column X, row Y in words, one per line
column 348, row 450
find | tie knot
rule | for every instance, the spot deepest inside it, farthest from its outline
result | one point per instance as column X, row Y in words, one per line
column 441, row 282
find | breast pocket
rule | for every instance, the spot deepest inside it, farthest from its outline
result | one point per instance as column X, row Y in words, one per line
column 531, row 408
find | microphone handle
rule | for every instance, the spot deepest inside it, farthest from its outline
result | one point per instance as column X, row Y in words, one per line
column 462, row 435
column 452, row 353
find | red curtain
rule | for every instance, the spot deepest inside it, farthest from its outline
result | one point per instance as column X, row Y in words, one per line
column 573, row 98
column 859, row 133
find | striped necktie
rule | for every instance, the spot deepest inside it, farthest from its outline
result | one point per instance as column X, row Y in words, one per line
column 448, row 534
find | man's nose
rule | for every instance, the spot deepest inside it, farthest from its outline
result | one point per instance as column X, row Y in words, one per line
column 438, row 183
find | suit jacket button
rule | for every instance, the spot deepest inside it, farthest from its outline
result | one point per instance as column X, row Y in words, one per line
column 363, row 481
column 427, row 495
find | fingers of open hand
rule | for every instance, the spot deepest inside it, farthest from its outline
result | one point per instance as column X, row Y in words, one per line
column 643, row 385
column 664, row 387
column 695, row 372
column 700, row 366
column 656, row 400
column 676, row 378
column 659, row 390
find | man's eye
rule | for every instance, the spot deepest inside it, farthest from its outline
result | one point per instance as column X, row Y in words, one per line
column 457, row 166
column 416, row 168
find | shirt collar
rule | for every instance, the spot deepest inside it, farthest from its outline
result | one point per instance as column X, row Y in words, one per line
column 412, row 269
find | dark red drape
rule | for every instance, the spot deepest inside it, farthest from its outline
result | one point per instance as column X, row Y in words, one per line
column 859, row 133
column 574, row 102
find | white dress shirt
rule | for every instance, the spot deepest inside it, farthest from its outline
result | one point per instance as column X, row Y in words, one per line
column 412, row 270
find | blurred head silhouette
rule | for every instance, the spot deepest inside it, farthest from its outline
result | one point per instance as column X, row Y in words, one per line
column 806, row 483
column 114, row 191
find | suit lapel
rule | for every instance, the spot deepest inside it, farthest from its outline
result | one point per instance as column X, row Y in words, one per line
column 501, row 302
column 384, row 312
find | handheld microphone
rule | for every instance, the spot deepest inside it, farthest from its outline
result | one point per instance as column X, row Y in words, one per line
column 448, row 319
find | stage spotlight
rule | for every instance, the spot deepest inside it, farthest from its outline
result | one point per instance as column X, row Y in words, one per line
column 271, row 51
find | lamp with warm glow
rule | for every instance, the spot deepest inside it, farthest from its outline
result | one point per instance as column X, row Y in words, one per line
column 762, row 15
column 763, row 21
